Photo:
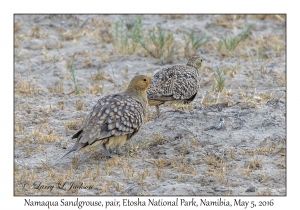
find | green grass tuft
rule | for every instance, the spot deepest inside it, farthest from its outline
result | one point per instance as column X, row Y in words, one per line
column 220, row 80
column 230, row 43
column 72, row 71
column 126, row 36
column 192, row 44
column 158, row 44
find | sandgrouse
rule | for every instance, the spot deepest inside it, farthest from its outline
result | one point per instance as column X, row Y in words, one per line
column 175, row 83
column 115, row 118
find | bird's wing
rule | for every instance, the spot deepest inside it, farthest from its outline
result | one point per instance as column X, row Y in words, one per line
column 186, row 85
column 113, row 115
column 163, row 83
column 173, row 83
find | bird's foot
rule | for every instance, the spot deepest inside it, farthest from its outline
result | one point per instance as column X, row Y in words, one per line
column 157, row 111
column 119, row 151
column 107, row 153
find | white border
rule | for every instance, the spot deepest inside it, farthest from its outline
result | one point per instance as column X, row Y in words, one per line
column 8, row 201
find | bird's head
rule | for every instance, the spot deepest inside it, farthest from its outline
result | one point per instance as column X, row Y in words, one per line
column 139, row 82
column 195, row 61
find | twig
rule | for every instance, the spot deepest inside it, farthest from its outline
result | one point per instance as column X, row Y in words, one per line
column 70, row 92
column 150, row 161
column 279, row 150
column 218, row 127
column 201, row 102
column 237, row 116
column 181, row 112
column 41, row 18
column 130, row 187
column 53, row 25
column 207, row 134
column 75, row 20
column 185, row 128
column 90, row 16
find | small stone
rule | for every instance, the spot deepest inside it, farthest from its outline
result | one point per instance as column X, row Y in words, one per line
column 251, row 189
column 221, row 189
column 20, row 137
column 218, row 154
column 209, row 146
column 36, row 121
column 152, row 187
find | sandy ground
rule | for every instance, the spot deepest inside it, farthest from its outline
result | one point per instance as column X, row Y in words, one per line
column 183, row 152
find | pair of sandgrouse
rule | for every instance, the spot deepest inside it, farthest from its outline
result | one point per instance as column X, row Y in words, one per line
column 116, row 118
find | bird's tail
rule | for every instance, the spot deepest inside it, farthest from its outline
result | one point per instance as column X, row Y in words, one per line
column 74, row 148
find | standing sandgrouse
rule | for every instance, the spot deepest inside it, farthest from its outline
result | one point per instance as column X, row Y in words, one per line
column 115, row 118
column 175, row 83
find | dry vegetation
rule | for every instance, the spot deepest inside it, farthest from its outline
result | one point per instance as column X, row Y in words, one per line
column 64, row 63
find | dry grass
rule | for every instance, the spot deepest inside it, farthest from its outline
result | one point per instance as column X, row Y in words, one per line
column 280, row 78
column 73, row 124
column 61, row 105
column 19, row 128
column 96, row 89
column 180, row 164
column 228, row 21
column 231, row 154
column 261, row 151
column 102, row 76
column 159, row 173
column 73, row 35
column 247, row 172
column 42, row 134
column 79, row 105
column 75, row 163
column 281, row 164
column 211, row 160
column 218, row 170
column 158, row 139
column 58, row 87
column 26, row 87
column 37, row 33
column 177, row 16
column 269, row 16
column 251, row 100
column 264, row 193
column 264, row 177
column 18, row 25
column 181, row 106
column 160, row 163
column 229, row 70
column 255, row 163
column 103, row 33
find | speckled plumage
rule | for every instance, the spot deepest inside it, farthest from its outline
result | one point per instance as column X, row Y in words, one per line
column 175, row 83
column 115, row 118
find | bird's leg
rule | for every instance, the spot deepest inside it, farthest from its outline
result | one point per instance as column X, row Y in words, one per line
column 201, row 102
column 157, row 111
column 119, row 151
column 106, row 151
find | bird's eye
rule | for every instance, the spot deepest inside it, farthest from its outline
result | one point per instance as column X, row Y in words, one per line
column 145, row 80
column 201, row 60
